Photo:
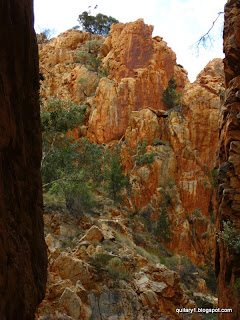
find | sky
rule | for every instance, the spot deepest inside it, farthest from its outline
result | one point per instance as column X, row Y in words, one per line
column 180, row 22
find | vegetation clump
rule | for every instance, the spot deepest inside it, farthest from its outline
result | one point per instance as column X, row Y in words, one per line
column 230, row 236
column 141, row 156
column 74, row 169
column 117, row 269
column 99, row 24
column 170, row 96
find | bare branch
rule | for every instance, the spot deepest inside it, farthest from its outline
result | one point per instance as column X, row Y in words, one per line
column 206, row 40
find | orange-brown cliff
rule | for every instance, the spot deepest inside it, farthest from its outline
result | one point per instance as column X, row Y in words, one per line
column 128, row 105
column 23, row 258
column 227, row 256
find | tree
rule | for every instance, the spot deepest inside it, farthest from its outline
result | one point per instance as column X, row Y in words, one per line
column 116, row 181
column 163, row 225
column 99, row 24
column 69, row 168
column 170, row 96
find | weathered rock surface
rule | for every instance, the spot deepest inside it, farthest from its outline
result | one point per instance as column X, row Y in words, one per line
column 128, row 104
column 185, row 159
column 23, row 257
column 84, row 287
column 139, row 70
column 61, row 69
column 227, row 259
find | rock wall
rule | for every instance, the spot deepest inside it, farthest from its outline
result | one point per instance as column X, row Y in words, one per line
column 227, row 258
column 128, row 105
column 139, row 70
column 184, row 160
column 23, row 259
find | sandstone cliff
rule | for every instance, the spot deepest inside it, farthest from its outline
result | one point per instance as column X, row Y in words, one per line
column 227, row 255
column 128, row 104
column 23, row 258
column 125, row 105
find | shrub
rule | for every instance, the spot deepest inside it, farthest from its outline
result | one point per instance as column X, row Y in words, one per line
column 117, row 270
column 162, row 229
column 142, row 157
column 159, row 142
column 170, row 96
column 197, row 212
column 100, row 260
column 230, row 236
column 96, row 25
column 204, row 234
column 236, row 287
column 213, row 177
column 116, row 180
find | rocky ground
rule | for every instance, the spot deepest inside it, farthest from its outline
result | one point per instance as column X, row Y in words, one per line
column 97, row 271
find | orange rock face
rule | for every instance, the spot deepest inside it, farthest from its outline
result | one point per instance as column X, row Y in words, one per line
column 227, row 256
column 128, row 105
column 139, row 70
column 61, row 70
column 185, row 159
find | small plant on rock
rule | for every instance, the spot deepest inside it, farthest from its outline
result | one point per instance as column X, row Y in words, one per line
column 230, row 236
column 117, row 269
column 170, row 96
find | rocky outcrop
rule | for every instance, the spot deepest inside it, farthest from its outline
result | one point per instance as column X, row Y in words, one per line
column 23, row 257
column 185, row 160
column 227, row 255
column 139, row 70
column 100, row 273
column 61, row 70
column 128, row 105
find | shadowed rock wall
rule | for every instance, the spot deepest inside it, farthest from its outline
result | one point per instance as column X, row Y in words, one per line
column 227, row 257
column 23, row 260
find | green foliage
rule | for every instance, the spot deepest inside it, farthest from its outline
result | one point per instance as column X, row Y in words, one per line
column 69, row 168
column 141, row 157
column 170, row 96
column 93, row 46
column 117, row 269
column 59, row 150
column 60, row 116
column 89, row 60
column 73, row 169
column 100, row 260
column 159, row 142
column 209, row 274
column 236, row 287
column 197, row 212
column 116, row 180
column 162, row 229
column 204, row 234
column 230, row 236
column 213, row 177
column 99, row 24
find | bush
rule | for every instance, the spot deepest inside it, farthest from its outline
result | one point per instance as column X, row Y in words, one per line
column 230, row 236
column 197, row 212
column 159, row 142
column 96, row 25
column 116, row 180
column 142, row 157
column 170, row 96
column 117, row 270
column 100, row 260
column 162, row 229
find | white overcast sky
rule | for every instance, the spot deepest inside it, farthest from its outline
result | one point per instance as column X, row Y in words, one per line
column 180, row 22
